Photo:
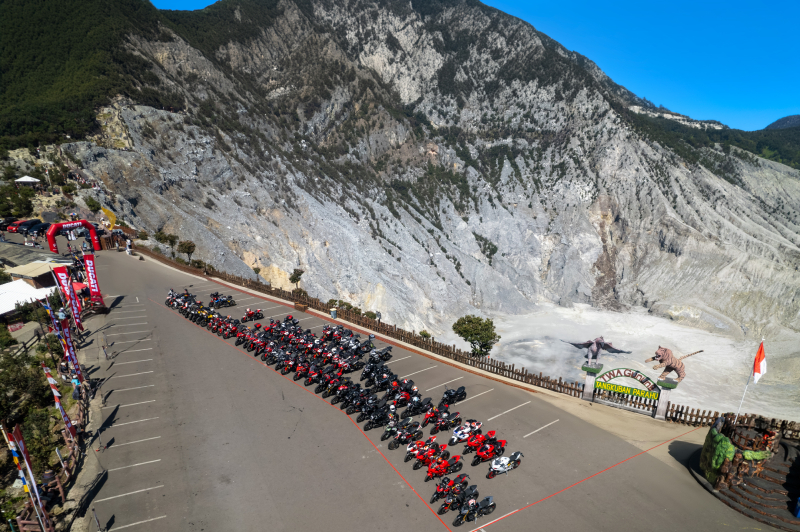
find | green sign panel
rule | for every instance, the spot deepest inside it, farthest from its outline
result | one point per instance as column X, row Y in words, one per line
column 603, row 382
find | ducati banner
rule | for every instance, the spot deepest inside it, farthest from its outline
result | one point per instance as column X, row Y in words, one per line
column 62, row 276
column 91, row 278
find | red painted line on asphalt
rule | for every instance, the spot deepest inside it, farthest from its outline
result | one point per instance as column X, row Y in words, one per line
column 324, row 402
column 584, row 480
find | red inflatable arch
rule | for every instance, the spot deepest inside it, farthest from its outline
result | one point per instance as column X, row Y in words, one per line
column 64, row 226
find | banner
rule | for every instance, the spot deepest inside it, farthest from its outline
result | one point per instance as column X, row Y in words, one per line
column 91, row 279
column 57, row 395
column 69, row 349
column 19, row 441
column 112, row 218
column 62, row 276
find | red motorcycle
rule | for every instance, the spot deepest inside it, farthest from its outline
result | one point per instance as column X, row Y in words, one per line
column 243, row 334
column 489, row 451
column 301, row 369
column 416, row 448
column 433, row 414
column 253, row 315
column 476, row 441
column 431, row 455
column 442, row 467
column 444, row 487
column 288, row 366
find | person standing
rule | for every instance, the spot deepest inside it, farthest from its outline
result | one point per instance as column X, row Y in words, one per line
column 128, row 246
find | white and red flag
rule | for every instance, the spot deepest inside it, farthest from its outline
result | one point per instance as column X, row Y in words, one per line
column 760, row 365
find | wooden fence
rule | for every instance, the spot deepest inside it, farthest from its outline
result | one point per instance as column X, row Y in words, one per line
column 675, row 413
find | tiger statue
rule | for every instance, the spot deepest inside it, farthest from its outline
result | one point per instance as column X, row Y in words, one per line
column 667, row 360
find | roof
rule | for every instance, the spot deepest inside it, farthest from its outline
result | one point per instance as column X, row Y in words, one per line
column 26, row 179
column 29, row 271
column 20, row 292
column 13, row 254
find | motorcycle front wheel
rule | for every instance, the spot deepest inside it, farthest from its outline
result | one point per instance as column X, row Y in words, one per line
column 491, row 474
column 458, row 521
column 368, row 426
column 489, row 509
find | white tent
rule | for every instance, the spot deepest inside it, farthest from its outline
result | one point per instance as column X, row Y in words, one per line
column 20, row 292
column 26, row 179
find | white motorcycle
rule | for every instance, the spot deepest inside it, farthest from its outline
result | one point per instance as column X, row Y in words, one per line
column 504, row 464
column 462, row 433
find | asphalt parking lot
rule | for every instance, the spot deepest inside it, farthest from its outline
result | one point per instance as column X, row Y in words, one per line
column 201, row 436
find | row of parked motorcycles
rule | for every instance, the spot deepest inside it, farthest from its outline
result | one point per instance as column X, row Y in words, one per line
column 328, row 362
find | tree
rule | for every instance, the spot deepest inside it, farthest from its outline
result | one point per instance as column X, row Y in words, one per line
column 478, row 332
column 4, row 277
column 257, row 270
column 172, row 240
column 187, row 247
column 92, row 204
column 425, row 334
column 295, row 277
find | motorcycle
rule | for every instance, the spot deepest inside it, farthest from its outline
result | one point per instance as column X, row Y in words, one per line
column 394, row 427
column 253, row 315
column 446, row 422
column 429, row 457
column 452, row 396
column 445, row 485
column 489, row 451
column 433, row 414
column 462, row 433
column 409, row 433
column 472, row 510
column 504, row 464
column 417, row 406
column 456, row 498
column 378, row 418
column 418, row 448
column 476, row 441
column 444, row 467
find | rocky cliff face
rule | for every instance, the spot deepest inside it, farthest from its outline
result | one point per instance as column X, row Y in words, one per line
column 430, row 159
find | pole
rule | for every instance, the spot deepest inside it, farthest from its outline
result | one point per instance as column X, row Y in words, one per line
column 96, row 520
column 742, row 401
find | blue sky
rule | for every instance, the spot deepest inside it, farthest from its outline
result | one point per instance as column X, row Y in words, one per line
column 737, row 62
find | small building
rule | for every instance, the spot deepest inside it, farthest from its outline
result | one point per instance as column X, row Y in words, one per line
column 36, row 274
column 19, row 292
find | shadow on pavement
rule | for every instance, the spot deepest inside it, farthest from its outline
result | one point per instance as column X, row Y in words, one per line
column 110, row 522
column 682, row 451
column 116, row 302
column 94, row 488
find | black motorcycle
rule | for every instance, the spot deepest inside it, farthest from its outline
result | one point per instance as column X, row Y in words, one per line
column 417, row 406
column 411, row 432
column 378, row 418
column 472, row 510
column 457, row 497
column 394, row 426
column 452, row 396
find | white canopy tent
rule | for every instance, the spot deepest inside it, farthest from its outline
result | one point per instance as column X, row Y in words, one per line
column 27, row 180
column 20, row 292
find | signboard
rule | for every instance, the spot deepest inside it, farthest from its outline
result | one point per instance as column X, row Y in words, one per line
column 62, row 276
column 651, row 391
column 15, row 326
column 91, row 278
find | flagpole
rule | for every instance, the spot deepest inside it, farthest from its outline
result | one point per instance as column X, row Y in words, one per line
column 742, row 401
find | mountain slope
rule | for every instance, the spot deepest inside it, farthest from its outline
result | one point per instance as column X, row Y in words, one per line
column 427, row 159
column 785, row 122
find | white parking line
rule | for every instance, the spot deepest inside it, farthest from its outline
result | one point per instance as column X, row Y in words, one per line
column 420, row 371
column 132, row 404
column 130, row 375
column 133, row 341
column 476, row 395
column 133, row 361
column 130, row 305
column 245, row 298
column 279, row 306
column 398, row 360
column 507, row 411
column 136, row 388
column 134, row 332
column 308, row 318
column 131, row 422
column 132, row 442
column 135, row 465
column 129, row 324
column 137, row 523
column 129, row 318
column 137, row 350
column 126, row 494
column 137, row 299
column 442, row 384
column 540, row 428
